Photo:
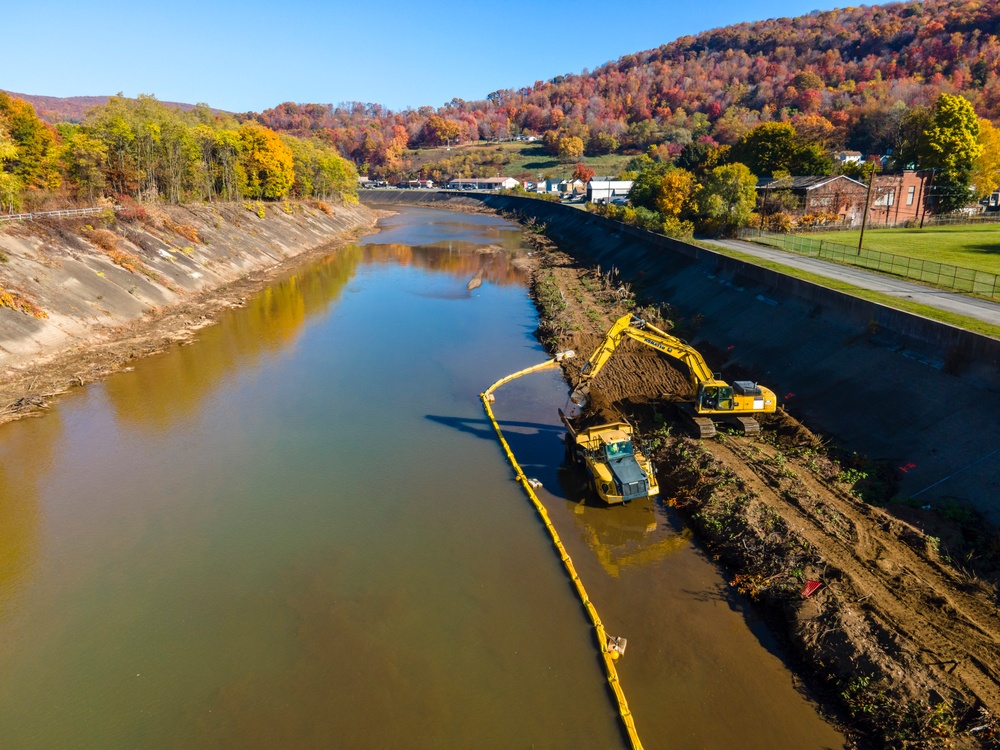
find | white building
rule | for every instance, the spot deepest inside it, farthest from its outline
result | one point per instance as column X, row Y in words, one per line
column 483, row 183
column 549, row 185
column 847, row 157
column 607, row 190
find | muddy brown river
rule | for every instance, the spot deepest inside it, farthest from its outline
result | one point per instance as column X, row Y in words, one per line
column 300, row 532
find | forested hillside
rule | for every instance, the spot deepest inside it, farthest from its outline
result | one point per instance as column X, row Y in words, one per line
column 843, row 78
column 57, row 109
column 142, row 150
column 871, row 79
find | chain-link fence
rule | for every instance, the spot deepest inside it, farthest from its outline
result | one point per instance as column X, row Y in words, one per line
column 939, row 274
column 945, row 220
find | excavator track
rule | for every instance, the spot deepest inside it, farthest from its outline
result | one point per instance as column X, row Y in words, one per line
column 703, row 427
column 747, row 425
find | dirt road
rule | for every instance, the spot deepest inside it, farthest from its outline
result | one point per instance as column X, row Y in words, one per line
column 902, row 637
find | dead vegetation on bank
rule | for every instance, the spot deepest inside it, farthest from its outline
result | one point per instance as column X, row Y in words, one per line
column 902, row 637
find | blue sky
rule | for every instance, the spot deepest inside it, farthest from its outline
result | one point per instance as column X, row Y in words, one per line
column 253, row 55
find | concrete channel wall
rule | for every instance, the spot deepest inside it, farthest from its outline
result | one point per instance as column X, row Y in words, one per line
column 879, row 381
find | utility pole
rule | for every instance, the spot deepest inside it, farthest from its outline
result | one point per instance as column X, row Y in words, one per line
column 864, row 216
column 927, row 198
column 763, row 208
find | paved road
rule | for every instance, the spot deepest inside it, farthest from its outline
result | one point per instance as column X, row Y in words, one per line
column 953, row 302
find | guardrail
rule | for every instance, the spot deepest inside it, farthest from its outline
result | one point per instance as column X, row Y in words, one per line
column 943, row 275
column 63, row 212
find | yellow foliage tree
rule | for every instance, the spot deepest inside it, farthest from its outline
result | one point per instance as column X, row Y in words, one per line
column 269, row 164
column 674, row 191
column 986, row 170
column 570, row 148
column 10, row 185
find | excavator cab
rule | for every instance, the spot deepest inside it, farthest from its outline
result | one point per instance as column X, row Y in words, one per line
column 715, row 396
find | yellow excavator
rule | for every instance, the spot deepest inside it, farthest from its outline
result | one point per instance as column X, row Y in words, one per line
column 715, row 400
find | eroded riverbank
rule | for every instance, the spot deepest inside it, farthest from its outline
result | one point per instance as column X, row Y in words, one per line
column 97, row 293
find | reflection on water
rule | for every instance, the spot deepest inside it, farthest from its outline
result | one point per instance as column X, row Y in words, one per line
column 273, row 320
column 630, row 536
column 25, row 455
column 259, row 540
column 446, row 229
column 270, row 322
column 461, row 259
column 300, row 532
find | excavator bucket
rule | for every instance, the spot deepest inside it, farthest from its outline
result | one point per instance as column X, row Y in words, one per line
column 581, row 395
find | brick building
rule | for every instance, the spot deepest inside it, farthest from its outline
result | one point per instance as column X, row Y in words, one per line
column 898, row 197
column 829, row 195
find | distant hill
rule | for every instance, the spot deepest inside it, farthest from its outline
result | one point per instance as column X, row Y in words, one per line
column 55, row 109
column 843, row 76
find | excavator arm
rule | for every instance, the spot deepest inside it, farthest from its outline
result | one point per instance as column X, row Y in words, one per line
column 630, row 326
column 714, row 398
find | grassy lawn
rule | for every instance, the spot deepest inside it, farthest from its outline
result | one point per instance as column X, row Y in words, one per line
column 525, row 158
column 959, row 321
column 968, row 246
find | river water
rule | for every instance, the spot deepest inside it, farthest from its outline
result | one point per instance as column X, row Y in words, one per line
column 300, row 532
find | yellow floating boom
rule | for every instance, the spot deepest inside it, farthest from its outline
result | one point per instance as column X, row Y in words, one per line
column 610, row 648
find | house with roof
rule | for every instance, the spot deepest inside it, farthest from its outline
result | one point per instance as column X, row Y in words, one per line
column 847, row 157
column 549, row 185
column 896, row 197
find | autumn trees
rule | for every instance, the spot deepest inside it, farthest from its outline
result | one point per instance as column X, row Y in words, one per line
column 960, row 148
column 28, row 153
column 776, row 147
column 950, row 146
column 782, row 94
column 144, row 150
column 267, row 162
column 845, row 78
column 678, row 202
column 583, row 173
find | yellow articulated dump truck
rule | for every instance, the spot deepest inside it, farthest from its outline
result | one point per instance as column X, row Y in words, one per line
column 618, row 472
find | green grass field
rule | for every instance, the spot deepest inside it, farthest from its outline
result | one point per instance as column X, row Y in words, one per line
column 526, row 157
column 968, row 246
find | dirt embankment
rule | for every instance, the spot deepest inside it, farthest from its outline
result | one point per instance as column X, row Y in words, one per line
column 903, row 635
column 81, row 298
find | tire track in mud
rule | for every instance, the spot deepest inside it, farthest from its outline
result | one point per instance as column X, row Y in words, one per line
column 923, row 605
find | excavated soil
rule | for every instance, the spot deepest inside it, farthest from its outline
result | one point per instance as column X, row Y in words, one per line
column 902, row 636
